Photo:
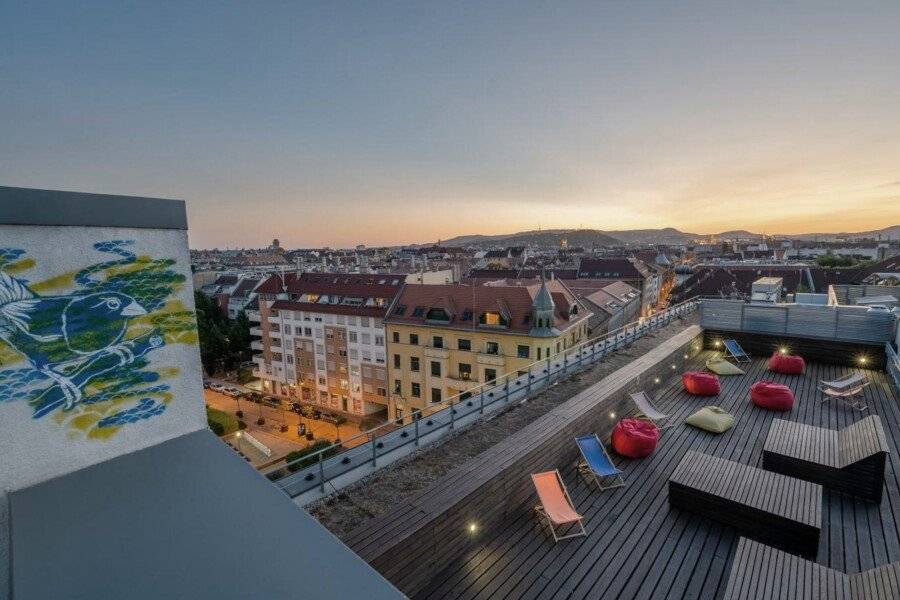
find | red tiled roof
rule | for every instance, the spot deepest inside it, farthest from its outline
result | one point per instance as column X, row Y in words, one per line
column 335, row 309
column 513, row 301
column 342, row 284
column 609, row 268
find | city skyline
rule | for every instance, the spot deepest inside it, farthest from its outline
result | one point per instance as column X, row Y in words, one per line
column 337, row 124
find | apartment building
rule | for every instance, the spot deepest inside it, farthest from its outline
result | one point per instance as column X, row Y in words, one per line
column 446, row 339
column 322, row 339
column 630, row 270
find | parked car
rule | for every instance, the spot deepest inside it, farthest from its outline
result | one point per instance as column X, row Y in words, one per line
column 296, row 407
column 232, row 391
column 206, row 383
column 217, row 387
column 329, row 418
column 271, row 402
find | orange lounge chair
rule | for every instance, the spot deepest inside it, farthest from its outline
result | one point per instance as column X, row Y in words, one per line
column 556, row 505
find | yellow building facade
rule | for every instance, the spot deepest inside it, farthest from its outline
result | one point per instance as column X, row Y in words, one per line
column 436, row 360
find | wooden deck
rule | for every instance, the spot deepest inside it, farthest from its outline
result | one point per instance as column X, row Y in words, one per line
column 639, row 547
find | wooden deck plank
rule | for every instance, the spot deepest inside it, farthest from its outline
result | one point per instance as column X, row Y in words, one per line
column 637, row 547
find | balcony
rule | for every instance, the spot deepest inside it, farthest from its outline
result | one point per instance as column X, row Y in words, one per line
column 275, row 335
column 275, row 319
column 257, row 331
column 253, row 316
column 256, row 345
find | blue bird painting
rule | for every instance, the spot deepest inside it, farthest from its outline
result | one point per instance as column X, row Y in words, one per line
column 61, row 336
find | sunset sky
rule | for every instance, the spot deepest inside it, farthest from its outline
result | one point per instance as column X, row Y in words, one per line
column 334, row 123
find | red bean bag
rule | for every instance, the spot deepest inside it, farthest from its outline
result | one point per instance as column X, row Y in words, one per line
column 700, row 383
column 789, row 364
column 772, row 396
column 635, row 438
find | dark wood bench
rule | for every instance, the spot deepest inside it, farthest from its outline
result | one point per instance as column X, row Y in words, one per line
column 762, row 572
column 850, row 461
column 776, row 509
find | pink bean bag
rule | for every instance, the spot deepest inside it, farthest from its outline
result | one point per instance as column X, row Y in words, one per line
column 700, row 383
column 635, row 438
column 789, row 364
column 772, row 396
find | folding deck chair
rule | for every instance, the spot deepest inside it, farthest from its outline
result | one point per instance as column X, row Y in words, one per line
column 595, row 463
column 844, row 383
column 734, row 351
column 556, row 506
column 646, row 408
column 850, row 396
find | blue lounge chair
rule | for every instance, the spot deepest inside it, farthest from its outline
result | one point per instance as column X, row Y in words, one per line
column 596, row 464
column 734, row 351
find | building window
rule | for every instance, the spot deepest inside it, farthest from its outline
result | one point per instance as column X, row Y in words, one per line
column 539, row 353
column 379, row 340
column 351, row 337
column 413, row 339
column 491, row 348
column 398, row 387
column 382, row 392
column 435, row 395
column 437, row 341
column 396, row 361
column 437, row 314
column 464, row 344
column 414, row 363
column 523, row 351
column 415, row 390
column 435, row 368
column 465, row 371
column 493, row 319
column 490, row 375
column 396, row 337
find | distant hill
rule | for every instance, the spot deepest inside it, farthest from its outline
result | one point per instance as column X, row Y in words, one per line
column 547, row 237
column 588, row 238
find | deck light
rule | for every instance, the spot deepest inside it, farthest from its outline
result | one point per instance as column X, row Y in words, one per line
column 473, row 527
column 656, row 380
column 674, row 366
column 718, row 343
column 863, row 360
column 612, row 415
column 783, row 350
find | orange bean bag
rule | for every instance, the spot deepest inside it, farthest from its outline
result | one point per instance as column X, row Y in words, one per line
column 635, row 438
column 772, row 396
column 700, row 383
column 788, row 364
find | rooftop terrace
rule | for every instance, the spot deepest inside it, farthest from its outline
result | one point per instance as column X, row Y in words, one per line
column 639, row 547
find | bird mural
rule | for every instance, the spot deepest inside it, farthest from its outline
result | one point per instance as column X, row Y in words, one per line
column 61, row 336
column 80, row 344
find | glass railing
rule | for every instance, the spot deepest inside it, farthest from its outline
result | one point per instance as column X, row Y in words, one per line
column 332, row 467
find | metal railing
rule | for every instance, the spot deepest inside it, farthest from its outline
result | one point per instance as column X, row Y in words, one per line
column 389, row 442
column 893, row 363
column 843, row 323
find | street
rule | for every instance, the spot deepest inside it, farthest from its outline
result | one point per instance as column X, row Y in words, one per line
column 275, row 417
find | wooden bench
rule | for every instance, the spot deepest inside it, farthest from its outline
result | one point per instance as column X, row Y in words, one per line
column 761, row 572
column 776, row 509
column 850, row 461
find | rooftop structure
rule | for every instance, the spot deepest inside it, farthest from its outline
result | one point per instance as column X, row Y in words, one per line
column 110, row 473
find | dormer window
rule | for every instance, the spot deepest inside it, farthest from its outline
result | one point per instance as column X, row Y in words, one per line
column 574, row 310
column 437, row 314
column 493, row 319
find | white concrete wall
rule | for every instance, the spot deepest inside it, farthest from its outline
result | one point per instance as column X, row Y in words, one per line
column 38, row 448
